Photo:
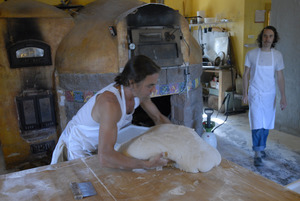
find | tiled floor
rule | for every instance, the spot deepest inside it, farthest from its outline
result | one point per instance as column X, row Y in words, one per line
column 282, row 164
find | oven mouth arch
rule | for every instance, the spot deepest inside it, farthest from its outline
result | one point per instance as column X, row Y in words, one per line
column 28, row 58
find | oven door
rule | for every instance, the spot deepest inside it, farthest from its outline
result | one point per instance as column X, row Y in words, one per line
column 160, row 44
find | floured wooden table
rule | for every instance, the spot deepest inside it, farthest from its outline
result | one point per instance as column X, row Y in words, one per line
column 225, row 182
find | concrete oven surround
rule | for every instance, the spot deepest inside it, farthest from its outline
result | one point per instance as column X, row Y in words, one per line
column 89, row 57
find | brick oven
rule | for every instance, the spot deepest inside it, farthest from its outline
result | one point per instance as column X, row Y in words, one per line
column 30, row 33
column 107, row 33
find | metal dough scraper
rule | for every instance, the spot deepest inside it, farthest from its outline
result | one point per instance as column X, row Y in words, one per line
column 81, row 190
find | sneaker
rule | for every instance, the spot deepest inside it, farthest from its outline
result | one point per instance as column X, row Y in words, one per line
column 263, row 154
column 258, row 161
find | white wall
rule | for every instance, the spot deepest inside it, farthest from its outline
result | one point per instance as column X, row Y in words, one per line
column 285, row 16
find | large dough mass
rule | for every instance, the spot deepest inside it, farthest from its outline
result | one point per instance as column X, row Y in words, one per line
column 183, row 145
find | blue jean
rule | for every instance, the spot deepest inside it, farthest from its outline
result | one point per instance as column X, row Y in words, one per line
column 259, row 139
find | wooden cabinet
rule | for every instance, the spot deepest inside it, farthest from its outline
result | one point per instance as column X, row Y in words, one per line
column 225, row 76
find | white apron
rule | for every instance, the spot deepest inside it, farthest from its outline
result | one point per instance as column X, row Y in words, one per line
column 80, row 137
column 262, row 92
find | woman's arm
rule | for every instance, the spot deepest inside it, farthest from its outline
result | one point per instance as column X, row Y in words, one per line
column 281, row 85
column 245, row 84
column 107, row 112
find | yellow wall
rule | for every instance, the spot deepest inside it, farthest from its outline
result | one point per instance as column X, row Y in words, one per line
column 243, row 28
column 251, row 28
column 232, row 10
column 183, row 6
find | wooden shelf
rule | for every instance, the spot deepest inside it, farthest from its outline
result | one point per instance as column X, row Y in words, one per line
column 225, row 83
column 207, row 24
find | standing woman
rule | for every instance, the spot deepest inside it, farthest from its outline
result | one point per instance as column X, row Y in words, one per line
column 262, row 64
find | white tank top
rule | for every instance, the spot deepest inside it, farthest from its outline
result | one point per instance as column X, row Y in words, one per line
column 82, row 132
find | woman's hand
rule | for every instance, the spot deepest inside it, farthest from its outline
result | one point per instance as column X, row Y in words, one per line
column 245, row 98
column 283, row 103
column 157, row 161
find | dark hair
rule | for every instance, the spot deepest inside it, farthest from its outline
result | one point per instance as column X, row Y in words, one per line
column 137, row 69
column 276, row 36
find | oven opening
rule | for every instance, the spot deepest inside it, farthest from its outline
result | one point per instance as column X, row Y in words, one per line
column 163, row 104
column 29, row 53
